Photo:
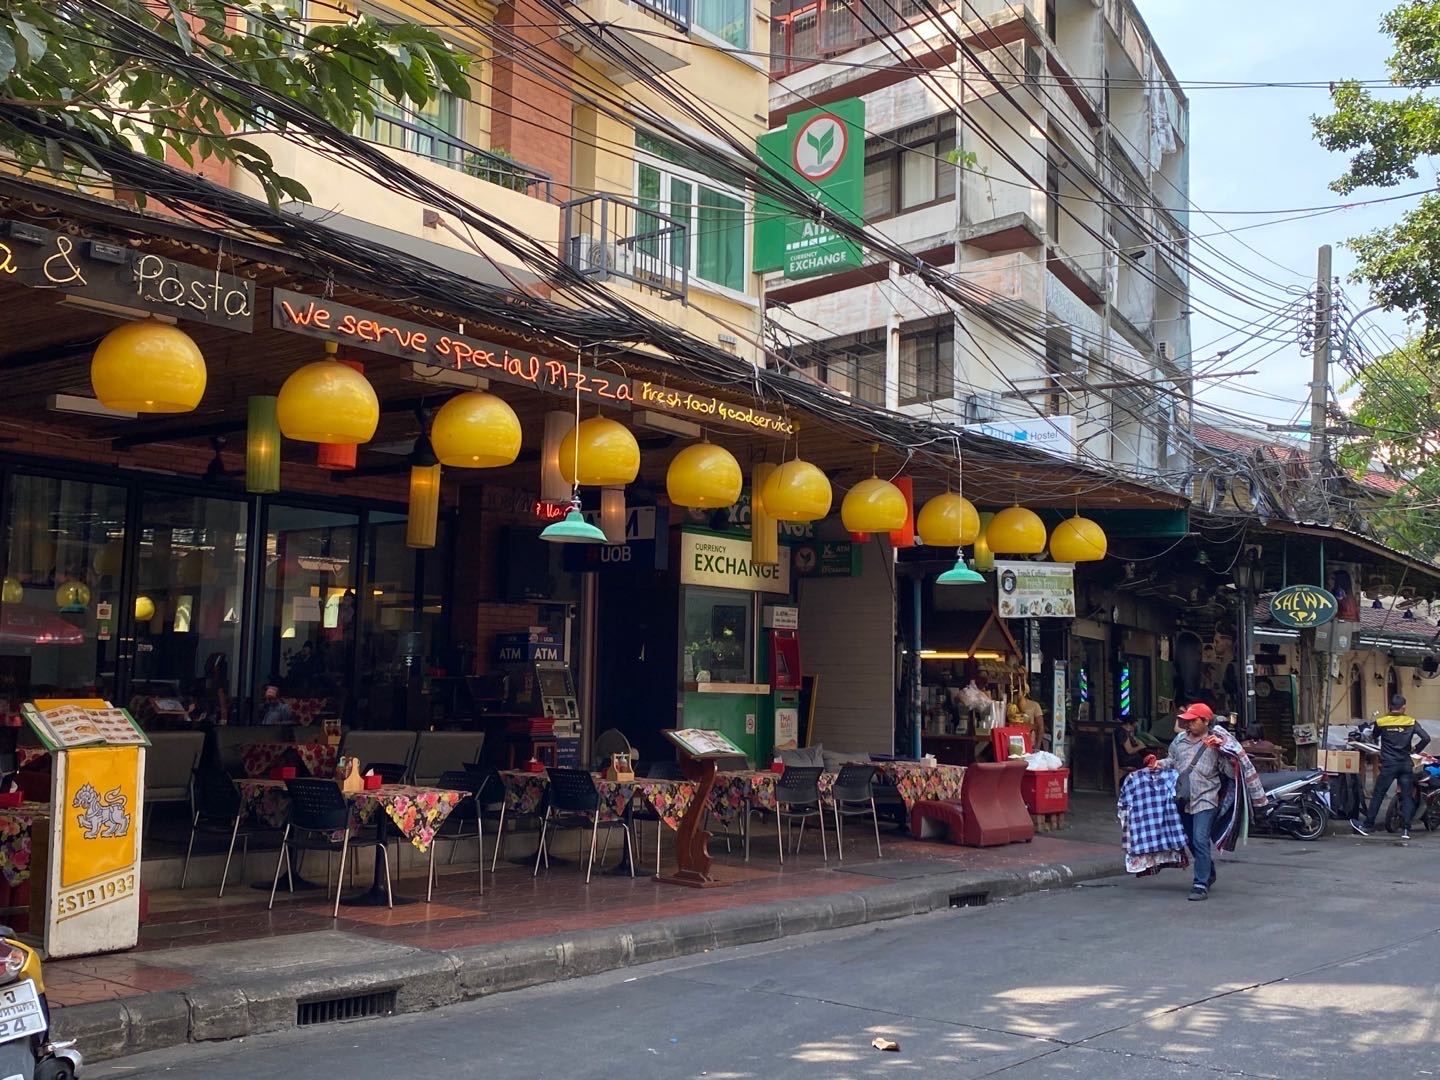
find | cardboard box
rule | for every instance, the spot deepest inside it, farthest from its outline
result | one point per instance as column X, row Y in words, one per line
column 1340, row 761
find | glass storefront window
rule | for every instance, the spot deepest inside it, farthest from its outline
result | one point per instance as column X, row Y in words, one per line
column 59, row 603
column 718, row 636
column 189, row 604
column 308, row 605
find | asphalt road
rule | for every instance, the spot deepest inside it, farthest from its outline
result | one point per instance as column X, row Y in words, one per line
column 1309, row 960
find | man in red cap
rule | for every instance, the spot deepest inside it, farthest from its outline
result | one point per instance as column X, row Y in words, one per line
column 1196, row 754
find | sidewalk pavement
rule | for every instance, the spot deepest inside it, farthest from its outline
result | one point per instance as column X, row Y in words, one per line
column 220, row 969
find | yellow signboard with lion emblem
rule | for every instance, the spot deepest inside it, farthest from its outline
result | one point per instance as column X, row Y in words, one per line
column 99, row 801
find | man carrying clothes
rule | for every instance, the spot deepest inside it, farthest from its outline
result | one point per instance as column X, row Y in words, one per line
column 1396, row 733
column 1200, row 755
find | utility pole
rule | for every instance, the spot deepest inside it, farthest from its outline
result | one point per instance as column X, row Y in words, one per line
column 1320, row 378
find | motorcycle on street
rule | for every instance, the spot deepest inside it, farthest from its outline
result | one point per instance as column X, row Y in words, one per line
column 1427, row 797
column 1299, row 803
column 26, row 1051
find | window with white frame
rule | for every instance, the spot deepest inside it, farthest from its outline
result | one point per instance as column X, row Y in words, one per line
column 672, row 181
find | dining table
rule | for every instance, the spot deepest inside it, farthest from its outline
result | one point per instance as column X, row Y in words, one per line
column 316, row 758
column 415, row 812
column 668, row 800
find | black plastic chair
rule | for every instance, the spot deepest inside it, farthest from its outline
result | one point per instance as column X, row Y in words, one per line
column 319, row 811
column 215, row 809
column 390, row 772
column 797, row 798
column 656, row 770
column 574, row 802
column 853, row 795
column 453, row 828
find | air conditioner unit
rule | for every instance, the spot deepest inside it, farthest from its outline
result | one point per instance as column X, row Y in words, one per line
column 590, row 255
column 1165, row 350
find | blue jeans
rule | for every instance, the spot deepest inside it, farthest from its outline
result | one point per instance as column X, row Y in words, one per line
column 1198, row 829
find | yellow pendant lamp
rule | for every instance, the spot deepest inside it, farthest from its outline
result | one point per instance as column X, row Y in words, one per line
column 1078, row 539
column 764, row 531
column 874, row 506
column 328, row 402
column 72, row 596
column 609, row 456
column 422, row 520
column 1016, row 531
column 797, row 491
column 984, row 557
column 11, row 591
column 144, row 609
column 148, row 366
column 476, row 430
column 704, row 476
column 948, row 520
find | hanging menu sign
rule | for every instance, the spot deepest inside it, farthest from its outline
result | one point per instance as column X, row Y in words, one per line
column 115, row 274
column 1030, row 590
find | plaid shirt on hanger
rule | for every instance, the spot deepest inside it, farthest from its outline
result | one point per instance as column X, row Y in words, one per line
column 1147, row 806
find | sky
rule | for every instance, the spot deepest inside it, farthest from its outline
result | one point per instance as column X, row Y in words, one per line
column 1253, row 149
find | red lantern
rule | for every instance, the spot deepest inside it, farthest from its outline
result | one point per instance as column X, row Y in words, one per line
column 905, row 537
column 339, row 456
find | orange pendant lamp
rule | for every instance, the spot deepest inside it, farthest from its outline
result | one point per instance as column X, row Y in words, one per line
column 1016, row 531
column 1078, row 539
column 797, row 491
column 327, row 402
column 608, row 455
column 476, row 430
column 704, row 476
column 148, row 366
column 339, row 457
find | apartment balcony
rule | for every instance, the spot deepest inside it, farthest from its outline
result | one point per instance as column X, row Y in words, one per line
column 632, row 30
column 351, row 203
column 610, row 238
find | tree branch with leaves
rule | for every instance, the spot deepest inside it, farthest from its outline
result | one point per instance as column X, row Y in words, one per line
column 68, row 65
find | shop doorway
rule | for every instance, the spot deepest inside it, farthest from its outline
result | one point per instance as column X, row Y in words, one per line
column 637, row 659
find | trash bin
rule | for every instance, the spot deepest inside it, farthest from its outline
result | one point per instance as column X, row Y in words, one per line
column 1046, row 791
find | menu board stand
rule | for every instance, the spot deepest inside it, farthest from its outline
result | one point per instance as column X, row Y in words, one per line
column 699, row 750
column 92, row 876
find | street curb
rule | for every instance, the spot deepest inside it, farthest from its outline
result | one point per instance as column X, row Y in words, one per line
column 429, row 979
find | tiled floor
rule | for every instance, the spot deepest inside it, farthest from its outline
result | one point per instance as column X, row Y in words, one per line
column 515, row 906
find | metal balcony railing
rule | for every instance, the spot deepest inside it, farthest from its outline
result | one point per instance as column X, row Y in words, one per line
column 455, row 153
column 675, row 11
column 810, row 33
column 610, row 237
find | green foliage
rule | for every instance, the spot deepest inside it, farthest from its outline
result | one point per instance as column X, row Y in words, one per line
column 1399, row 401
column 1389, row 139
column 498, row 167
column 57, row 63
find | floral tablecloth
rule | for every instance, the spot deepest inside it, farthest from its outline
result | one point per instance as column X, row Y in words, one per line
column 16, row 825
column 755, row 789
column 318, row 759
column 669, row 799
column 915, row 781
column 416, row 812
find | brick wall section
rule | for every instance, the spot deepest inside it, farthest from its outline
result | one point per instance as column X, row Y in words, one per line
column 530, row 115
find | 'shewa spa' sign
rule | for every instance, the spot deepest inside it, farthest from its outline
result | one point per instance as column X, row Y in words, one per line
column 1302, row 606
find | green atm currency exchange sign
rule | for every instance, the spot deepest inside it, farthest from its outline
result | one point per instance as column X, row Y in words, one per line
column 821, row 151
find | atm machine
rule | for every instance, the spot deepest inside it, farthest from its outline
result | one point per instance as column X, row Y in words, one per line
column 782, row 623
column 542, row 703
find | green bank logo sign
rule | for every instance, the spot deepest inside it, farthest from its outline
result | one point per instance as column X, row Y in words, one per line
column 1302, row 606
column 820, row 146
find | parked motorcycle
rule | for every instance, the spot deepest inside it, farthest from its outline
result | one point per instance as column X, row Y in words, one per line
column 1427, row 797
column 26, row 1052
column 1299, row 803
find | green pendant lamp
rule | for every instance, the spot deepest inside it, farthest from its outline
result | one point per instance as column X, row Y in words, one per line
column 959, row 574
column 573, row 528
